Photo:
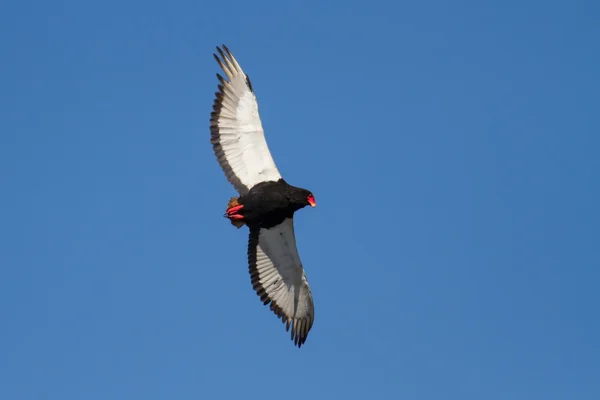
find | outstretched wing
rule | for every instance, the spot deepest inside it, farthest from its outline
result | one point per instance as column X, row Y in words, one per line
column 236, row 131
column 278, row 277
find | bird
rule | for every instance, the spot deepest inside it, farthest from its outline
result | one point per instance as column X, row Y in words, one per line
column 266, row 203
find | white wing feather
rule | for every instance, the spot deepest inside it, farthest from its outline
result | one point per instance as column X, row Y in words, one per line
column 236, row 129
column 278, row 277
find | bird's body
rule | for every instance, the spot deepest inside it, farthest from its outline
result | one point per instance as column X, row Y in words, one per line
column 269, row 203
column 266, row 204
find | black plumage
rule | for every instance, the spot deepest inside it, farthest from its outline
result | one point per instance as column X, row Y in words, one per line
column 268, row 204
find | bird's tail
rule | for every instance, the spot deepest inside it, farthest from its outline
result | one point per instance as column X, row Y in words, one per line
column 233, row 202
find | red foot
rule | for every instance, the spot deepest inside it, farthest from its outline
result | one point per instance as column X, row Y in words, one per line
column 233, row 210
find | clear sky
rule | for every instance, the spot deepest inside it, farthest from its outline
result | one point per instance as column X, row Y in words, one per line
column 453, row 149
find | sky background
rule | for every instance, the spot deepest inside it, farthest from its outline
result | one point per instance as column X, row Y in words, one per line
column 453, row 149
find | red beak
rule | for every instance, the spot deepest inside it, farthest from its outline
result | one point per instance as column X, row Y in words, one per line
column 311, row 201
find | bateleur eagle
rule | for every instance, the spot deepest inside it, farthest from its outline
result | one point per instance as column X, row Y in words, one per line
column 266, row 202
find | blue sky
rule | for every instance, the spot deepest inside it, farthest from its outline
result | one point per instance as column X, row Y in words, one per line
column 453, row 151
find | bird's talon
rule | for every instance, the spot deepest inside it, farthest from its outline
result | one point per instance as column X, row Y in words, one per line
column 233, row 210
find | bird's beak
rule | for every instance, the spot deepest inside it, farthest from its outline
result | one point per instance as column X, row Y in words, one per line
column 312, row 202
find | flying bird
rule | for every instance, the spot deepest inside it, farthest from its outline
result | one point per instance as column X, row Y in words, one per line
column 266, row 203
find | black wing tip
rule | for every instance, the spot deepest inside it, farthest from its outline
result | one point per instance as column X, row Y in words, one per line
column 221, row 52
column 300, row 329
column 249, row 84
column 225, row 54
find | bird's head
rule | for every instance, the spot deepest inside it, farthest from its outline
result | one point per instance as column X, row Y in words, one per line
column 303, row 198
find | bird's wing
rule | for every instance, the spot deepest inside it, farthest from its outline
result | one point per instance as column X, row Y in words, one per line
column 278, row 277
column 236, row 131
